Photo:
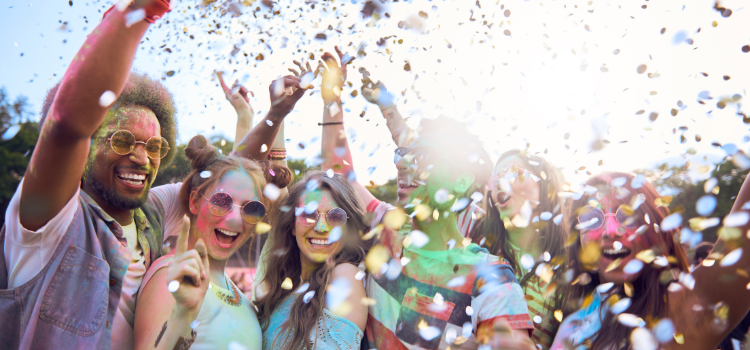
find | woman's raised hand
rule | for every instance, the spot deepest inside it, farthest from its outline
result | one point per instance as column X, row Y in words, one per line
column 334, row 75
column 188, row 271
column 237, row 95
column 375, row 93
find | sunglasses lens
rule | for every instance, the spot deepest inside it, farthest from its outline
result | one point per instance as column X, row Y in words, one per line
column 253, row 212
column 157, row 147
column 122, row 142
column 626, row 218
column 220, row 204
column 590, row 219
column 308, row 219
column 336, row 217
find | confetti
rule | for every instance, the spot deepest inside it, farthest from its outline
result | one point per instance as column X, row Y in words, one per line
column 429, row 333
column 271, row 192
column 11, row 132
column 287, row 284
column 642, row 339
column 705, row 205
column 308, row 296
column 262, row 227
column 731, row 258
column 736, row 219
column 107, row 98
column 620, row 306
column 173, row 286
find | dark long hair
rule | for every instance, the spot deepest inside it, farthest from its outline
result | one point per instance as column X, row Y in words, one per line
column 492, row 229
column 284, row 260
column 650, row 296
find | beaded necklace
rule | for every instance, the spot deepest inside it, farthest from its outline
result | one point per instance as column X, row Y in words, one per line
column 233, row 301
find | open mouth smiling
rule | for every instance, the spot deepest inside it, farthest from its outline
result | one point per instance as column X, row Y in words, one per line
column 226, row 238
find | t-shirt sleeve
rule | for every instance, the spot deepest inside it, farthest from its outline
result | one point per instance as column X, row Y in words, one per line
column 164, row 203
column 27, row 252
column 500, row 297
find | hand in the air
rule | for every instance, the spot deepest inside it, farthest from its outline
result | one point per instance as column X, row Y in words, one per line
column 285, row 92
column 334, row 75
column 190, row 269
column 237, row 95
column 375, row 93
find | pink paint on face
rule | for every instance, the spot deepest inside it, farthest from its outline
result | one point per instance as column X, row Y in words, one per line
column 615, row 241
column 312, row 238
column 122, row 176
column 223, row 235
column 508, row 204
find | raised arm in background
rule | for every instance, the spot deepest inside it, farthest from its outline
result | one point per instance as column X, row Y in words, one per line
column 377, row 94
column 237, row 95
column 721, row 288
column 101, row 65
column 285, row 92
column 334, row 147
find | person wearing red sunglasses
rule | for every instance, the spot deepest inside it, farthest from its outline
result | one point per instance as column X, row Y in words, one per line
column 629, row 277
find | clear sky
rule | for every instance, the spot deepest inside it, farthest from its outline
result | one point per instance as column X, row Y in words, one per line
column 554, row 75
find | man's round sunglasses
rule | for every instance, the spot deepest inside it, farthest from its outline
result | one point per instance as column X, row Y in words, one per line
column 123, row 142
column 221, row 204
column 592, row 218
column 335, row 217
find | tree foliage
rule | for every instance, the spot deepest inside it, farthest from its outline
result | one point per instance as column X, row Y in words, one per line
column 15, row 152
column 685, row 193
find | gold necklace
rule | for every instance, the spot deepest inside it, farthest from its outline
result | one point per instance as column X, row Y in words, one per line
column 236, row 301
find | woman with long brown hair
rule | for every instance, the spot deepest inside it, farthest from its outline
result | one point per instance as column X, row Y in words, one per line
column 629, row 279
column 525, row 224
column 311, row 295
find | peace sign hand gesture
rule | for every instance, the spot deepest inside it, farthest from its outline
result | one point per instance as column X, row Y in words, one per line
column 188, row 272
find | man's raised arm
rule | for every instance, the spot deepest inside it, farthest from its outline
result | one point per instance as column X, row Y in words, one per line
column 102, row 64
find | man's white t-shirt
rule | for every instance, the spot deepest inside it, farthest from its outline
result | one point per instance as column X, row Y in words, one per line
column 27, row 252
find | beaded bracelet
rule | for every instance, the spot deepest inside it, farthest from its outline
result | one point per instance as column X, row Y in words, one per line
column 277, row 154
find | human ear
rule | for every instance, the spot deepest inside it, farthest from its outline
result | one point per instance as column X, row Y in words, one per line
column 193, row 203
column 463, row 182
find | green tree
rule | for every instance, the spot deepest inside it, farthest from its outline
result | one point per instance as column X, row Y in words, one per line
column 15, row 148
column 387, row 192
column 686, row 193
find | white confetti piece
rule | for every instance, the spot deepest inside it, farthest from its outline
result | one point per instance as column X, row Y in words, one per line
column 545, row 215
column 11, row 132
column 731, row 258
column 335, row 235
column 263, row 148
column 630, row 320
column 664, row 330
column 134, row 17
column 710, row 184
column 173, row 286
column 309, row 295
column 107, row 98
column 306, row 80
column 429, row 333
column 270, row 123
column 705, row 205
column 642, row 339
column 620, row 306
column 633, row 266
column 271, row 192
column 303, row 288
column 671, row 222
column 736, row 219
column 605, row 287
column 527, row 261
column 334, row 109
column 456, row 282
column 460, row 204
column 329, row 173
column 418, row 238
column 195, row 324
column 441, row 196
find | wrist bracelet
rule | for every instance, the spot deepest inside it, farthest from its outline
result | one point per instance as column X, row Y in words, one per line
column 277, row 154
column 330, row 123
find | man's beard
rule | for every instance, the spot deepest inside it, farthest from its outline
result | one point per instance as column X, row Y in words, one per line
column 113, row 199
